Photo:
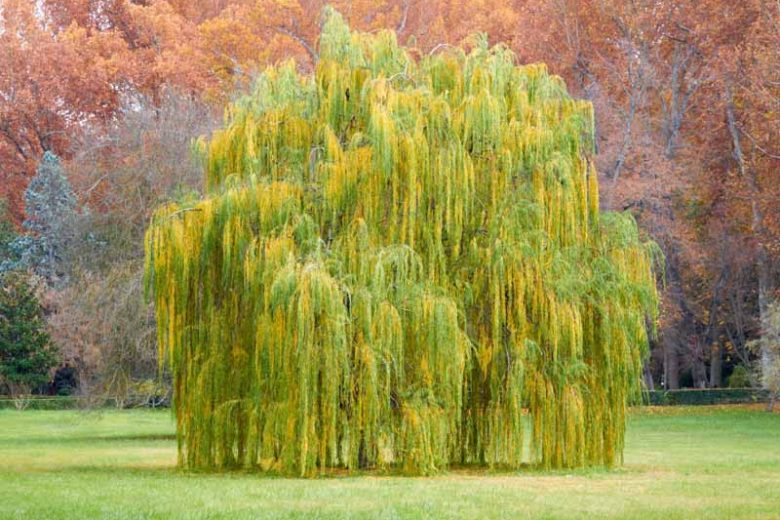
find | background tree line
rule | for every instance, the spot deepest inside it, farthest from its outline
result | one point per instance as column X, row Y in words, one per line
column 111, row 93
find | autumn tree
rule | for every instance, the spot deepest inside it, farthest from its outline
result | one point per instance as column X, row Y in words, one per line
column 122, row 172
column 394, row 258
column 751, row 99
column 655, row 73
column 52, row 84
column 74, row 65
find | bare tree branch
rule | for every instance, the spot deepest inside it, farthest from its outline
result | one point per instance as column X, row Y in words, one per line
column 402, row 24
column 315, row 57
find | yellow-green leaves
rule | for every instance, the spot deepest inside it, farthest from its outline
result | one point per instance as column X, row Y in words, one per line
column 400, row 264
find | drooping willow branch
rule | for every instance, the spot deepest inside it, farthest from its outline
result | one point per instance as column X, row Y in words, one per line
column 401, row 274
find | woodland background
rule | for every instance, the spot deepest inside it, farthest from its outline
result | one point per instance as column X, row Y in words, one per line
column 686, row 96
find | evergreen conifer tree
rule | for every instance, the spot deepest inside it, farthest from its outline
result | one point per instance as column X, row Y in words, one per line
column 7, row 235
column 25, row 351
column 50, row 208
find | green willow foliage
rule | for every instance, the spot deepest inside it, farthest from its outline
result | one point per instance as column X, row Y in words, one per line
column 400, row 264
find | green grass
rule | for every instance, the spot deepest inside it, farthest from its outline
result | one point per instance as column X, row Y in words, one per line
column 687, row 463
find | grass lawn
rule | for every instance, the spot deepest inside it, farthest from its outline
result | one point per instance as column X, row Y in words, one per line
column 687, row 463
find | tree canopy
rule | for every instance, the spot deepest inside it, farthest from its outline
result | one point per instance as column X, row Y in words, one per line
column 396, row 258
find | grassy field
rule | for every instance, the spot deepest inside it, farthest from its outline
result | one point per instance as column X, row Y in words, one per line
column 705, row 462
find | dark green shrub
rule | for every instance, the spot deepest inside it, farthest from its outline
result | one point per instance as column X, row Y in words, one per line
column 26, row 354
column 739, row 378
column 42, row 403
column 695, row 396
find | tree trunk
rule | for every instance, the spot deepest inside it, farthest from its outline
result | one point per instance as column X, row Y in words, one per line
column 699, row 364
column 671, row 366
column 648, row 377
column 765, row 285
column 716, row 366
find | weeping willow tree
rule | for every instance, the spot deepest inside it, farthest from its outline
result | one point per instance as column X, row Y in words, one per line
column 400, row 263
